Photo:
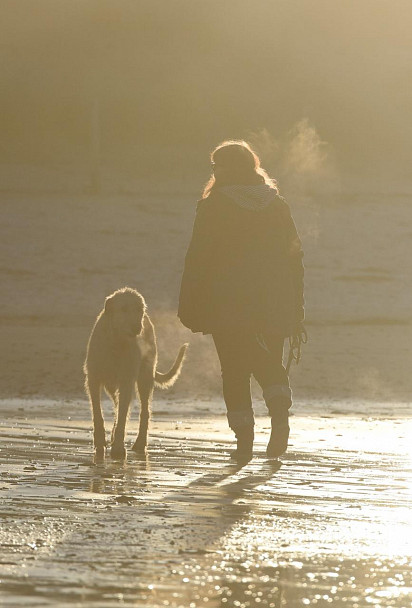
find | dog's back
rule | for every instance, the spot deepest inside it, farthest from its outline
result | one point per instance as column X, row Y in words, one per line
column 108, row 359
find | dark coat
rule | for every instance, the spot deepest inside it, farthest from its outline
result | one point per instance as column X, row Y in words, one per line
column 243, row 269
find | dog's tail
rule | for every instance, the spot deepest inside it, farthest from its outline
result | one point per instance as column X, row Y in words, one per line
column 170, row 377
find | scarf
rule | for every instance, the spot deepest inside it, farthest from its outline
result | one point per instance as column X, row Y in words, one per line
column 253, row 198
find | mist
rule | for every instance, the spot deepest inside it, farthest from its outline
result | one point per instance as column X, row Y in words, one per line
column 109, row 112
column 173, row 79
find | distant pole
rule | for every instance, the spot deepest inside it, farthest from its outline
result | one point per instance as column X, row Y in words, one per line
column 95, row 148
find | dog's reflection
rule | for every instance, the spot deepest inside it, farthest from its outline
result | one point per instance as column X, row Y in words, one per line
column 119, row 476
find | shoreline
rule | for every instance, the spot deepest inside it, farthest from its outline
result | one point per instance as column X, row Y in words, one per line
column 201, row 407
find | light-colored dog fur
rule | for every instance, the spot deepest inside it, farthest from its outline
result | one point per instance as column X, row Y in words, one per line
column 122, row 357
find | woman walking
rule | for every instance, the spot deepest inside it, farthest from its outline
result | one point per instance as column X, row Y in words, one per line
column 243, row 284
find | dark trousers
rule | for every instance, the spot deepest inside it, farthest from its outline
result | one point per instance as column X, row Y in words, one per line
column 243, row 354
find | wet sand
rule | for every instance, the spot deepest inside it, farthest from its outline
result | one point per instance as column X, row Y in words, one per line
column 63, row 254
column 328, row 524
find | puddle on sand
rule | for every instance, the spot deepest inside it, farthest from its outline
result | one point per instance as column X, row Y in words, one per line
column 182, row 527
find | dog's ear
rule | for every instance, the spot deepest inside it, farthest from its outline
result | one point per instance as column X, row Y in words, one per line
column 143, row 307
column 108, row 304
column 141, row 317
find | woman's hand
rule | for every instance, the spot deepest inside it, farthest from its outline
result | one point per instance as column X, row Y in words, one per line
column 299, row 331
column 298, row 337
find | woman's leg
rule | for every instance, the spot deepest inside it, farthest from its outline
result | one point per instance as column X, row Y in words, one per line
column 233, row 352
column 269, row 372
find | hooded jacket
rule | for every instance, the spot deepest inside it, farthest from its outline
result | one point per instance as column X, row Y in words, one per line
column 243, row 268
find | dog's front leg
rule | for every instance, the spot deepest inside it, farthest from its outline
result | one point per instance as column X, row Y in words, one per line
column 145, row 384
column 125, row 396
column 99, row 438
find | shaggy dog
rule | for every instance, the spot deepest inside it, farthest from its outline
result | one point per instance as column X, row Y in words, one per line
column 122, row 356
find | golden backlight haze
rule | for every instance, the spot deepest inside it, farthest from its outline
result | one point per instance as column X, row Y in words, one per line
column 109, row 110
column 166, row 80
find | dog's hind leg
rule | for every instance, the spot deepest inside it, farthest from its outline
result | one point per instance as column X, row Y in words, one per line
column 145, row 384
column 94, row 390
column 118, row 450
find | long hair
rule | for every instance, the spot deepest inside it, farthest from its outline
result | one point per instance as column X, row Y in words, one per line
column 238, row 164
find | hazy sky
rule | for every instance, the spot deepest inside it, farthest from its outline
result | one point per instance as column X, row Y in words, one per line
column 190, row 73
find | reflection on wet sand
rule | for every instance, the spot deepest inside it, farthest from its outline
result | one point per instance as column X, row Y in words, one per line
column 183, row 527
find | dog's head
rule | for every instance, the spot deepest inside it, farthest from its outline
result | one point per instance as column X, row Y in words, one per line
column 126, row 309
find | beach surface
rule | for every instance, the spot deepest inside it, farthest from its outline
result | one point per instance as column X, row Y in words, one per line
column 327, row 524
column 63, row 254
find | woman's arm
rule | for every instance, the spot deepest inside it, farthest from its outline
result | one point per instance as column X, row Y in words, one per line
column 197, row 270
column 198, row 250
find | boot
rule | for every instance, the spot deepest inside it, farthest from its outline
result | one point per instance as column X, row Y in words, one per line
column 278, row 442
column 244, row 445
column 242, row 423
column 278, row 401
